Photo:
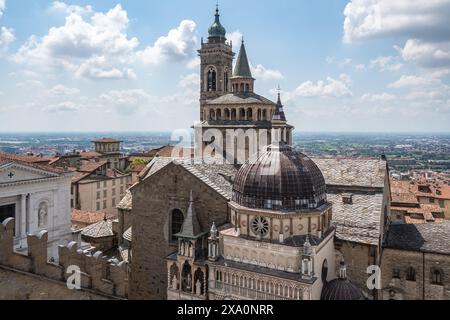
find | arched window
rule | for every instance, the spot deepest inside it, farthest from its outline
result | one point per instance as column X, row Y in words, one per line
column 233, row 115
column 264, row 115
column 242, row 87
column 212, row 115
column 226, row 81
column 436, row 277
column 325, row 271
column 247, row 88
column 218, row 114
column 242, row 114
column 249, row 114
column 176, row 223
column 212, row 80
column 227, row 114
column 411, row 274
column 259, row 115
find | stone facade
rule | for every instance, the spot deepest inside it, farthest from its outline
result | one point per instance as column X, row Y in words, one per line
column 397, row 286
column 154, row 199
column 39, row 199
column 99, row 277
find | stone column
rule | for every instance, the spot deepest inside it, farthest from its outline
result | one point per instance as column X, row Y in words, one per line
column 22, row 231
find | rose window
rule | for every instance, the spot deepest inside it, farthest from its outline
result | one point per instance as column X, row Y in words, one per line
column 260, row 226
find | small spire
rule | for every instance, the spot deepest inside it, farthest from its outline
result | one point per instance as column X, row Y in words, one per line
column 343, row 270
column 307, row 246
column 214, row 231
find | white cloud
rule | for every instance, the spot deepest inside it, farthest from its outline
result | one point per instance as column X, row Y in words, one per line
column 194, row 63
column 99, row 43
column 61, row 90
column 330, row 88
column 411, row 18
column 126, row 102
column 261, row 73
column 190, row 81
column 413, row 81
column 178, row 45
column 62, row 107
column 235, row 37
column 61, row 7
column 30, row 84
column 2, row 7
column 382, row 97
column 386, row 64
column 427, row 54
column 6, row 37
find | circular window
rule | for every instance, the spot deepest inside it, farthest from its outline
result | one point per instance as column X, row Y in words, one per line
column 260, row 226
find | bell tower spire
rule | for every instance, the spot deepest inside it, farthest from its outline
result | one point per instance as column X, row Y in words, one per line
column 216, row 56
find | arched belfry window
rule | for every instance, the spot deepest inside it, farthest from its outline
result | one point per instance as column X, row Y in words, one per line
column 226, row 82
column 212, row 80
column 177, row 219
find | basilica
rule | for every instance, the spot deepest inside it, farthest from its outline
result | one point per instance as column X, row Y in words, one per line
column 276, row 226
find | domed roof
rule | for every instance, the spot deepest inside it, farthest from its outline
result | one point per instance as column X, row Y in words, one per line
column 280, row 179
column 341, row 290
column 217, row 30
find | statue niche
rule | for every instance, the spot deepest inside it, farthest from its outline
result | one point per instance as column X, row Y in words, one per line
column 43, row 214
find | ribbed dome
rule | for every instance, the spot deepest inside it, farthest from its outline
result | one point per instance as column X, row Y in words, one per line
column 280, row 179
column 217, row 30
column 341, row 290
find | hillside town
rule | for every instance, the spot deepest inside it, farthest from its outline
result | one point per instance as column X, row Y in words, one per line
column 250, row 210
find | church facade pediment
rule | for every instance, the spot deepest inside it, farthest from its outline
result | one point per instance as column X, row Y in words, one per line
column 16, row 173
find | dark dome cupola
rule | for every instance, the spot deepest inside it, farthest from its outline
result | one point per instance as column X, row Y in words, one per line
column 217, row 31
column 280, row 179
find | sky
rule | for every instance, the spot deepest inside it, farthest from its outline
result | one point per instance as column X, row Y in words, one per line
column 343, row 66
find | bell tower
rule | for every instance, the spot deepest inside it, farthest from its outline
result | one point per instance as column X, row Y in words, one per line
column 216, row 56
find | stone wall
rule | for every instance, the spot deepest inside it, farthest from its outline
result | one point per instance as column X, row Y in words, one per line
column 423, row 264
column 153, row 201
column 98, row 275
column 358, row 258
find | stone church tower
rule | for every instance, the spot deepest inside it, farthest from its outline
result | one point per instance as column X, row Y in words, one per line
column 232, row 116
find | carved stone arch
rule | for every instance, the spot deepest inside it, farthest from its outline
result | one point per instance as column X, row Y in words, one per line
column 199, row 277
column 186, row 277
column 174, row 277
column 227, row 114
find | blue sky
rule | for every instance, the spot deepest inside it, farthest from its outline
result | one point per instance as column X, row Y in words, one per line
column 360, row 65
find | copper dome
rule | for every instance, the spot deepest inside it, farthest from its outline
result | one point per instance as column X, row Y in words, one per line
column 280, row 179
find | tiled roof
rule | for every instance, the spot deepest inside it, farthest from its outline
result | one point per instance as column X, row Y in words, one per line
column 427, row 211
column 360, row 221
column 126, row 202
column 90, row 166
column 429, row 237
column 88, row 218
column 100, row 229
column 240, row 98
column 6, row 158
column 353, row 172
column 128, row 235
column 90, row 154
